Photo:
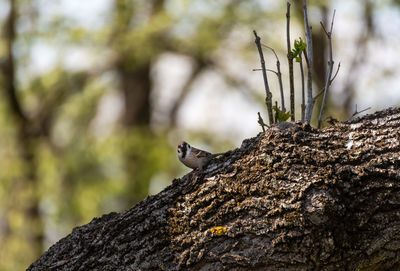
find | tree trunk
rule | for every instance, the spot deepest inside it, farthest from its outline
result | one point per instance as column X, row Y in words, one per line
column 25, row 187
column 292, row 198
column 136, row 86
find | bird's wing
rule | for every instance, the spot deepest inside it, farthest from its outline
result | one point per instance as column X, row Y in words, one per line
column 199, row 153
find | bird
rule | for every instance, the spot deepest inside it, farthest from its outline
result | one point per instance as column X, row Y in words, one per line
column 194, row 158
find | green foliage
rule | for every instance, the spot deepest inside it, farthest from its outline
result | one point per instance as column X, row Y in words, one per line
column 299, row 46
column 281, row 115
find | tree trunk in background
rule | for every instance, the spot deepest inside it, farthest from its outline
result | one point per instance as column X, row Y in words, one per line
column 320, row 51
column 136, row 87
column 320, row 60
column 24, row 191
column 361, row 50
column 292, row 198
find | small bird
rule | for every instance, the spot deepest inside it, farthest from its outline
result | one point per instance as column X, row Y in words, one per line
column 194, row 158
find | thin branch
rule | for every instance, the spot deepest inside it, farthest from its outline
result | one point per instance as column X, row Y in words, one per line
column 272, row 49
column 329, row 74
column 323, row 28
column 279, row 74
column 239, row 84
column 309, row 60
column 303, row 101
column 333, row 20
column 336, row 73
column 268, row 70
column 268, row 98
column 330, row 83
column 305, row 57
column 290, row 61
column 319, row 94
column 261, row 122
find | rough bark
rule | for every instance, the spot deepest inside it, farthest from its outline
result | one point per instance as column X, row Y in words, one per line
column 292, row 198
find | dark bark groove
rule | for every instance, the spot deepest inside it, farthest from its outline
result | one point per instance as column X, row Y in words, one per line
column 293, row 198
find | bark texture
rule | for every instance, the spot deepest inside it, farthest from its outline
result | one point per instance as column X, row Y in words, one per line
column 292, row 198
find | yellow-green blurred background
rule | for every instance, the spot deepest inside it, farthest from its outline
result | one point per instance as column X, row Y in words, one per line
column 96, row 94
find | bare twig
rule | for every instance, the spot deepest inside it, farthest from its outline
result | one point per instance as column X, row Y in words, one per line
column 336, row 73
column 268, row 99
column 268, row 70
column 279, row 75
column 330, row 67
column 323, row 28
column 261, row 122
column 305, row 57
column 309, row 60
column 330, row 83
column 319, row 94
column 276, row 112
column 290, row 60
column 303, row 102
column 333, row 20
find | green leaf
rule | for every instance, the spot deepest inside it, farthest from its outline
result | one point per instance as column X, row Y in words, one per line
column 281, row 115
column 299, row 46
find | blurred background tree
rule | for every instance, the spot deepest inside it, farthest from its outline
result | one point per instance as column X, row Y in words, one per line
column 95, row 95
